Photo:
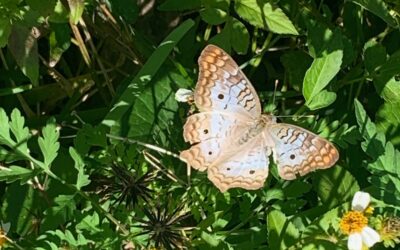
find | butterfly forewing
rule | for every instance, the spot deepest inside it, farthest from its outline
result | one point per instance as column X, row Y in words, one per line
column 298, row 151
column 222, row 86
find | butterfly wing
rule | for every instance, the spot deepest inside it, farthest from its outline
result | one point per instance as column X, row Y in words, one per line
column 222, row 86
column 246, row 168
column 298, row 151
column 209, row 134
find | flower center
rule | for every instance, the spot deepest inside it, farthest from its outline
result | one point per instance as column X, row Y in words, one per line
column 353, row 222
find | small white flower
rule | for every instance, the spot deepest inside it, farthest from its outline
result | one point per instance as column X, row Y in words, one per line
column 183, row 95
column 355, row 224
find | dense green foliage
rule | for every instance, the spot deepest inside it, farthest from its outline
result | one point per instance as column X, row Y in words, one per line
column 77, row 77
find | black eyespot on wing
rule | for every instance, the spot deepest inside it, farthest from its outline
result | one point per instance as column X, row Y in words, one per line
column 209, row 153
column 292, row 157
column 220, row 96
column 252, row 171
column 205, row 131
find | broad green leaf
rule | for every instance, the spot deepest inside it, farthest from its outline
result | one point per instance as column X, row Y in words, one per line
column 296, row 189
column 82, row 179
column 240, row 37
column 179, row 5
column 321, row 100
column 379, row 8
column 144, row 76
column 234, row 35
column 20, row 132
column 281, row 232
column 214, row 16
column 48, row 143
column 374, row 56
column 263, row 15
column 320, row 73
column 23, row 45
column 14, row 173
column 76, row 8
column 334, row 186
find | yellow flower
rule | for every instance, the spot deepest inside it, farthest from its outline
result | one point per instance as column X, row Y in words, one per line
column 355, row 224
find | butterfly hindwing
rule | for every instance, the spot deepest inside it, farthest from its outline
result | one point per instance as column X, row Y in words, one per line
column 298, row 151
column 247, row 168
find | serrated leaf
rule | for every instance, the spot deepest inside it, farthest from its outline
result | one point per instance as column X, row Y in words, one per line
column 82, row 178
column 379, row 8
column 263, row 15
column 89, row 223
column 374, row 142
column 5, row 129
column 14, row 173
column 48, row 143
column 334, row 186
column 20, row 132
column 281, row 232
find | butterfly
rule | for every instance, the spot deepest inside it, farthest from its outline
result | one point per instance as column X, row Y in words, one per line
column 233, row 140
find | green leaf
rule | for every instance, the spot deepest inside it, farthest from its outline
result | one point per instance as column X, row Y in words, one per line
column 179, row 5
column 374, row 56
column 334, row 186
column 144, row 76
column 20, row 132
column 234, row 35
column 128, row 10
column 82, row 179
column 374, row 142
column 214, row 16
column 281, row 232
column 90, row 223
column 320, row 73
column 5, row 129
column 48, row 143
column 240, row 37
column 14, row 173
column 379, row 8
column 23, row 45
column 321, row 100
column 262, row 14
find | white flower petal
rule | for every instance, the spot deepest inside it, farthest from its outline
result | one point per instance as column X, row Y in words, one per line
column 360, row 201
column 183, row 95
column 354, row 242
column 369, row 236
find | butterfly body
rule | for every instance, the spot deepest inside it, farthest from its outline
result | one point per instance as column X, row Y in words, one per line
column 233, row 140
